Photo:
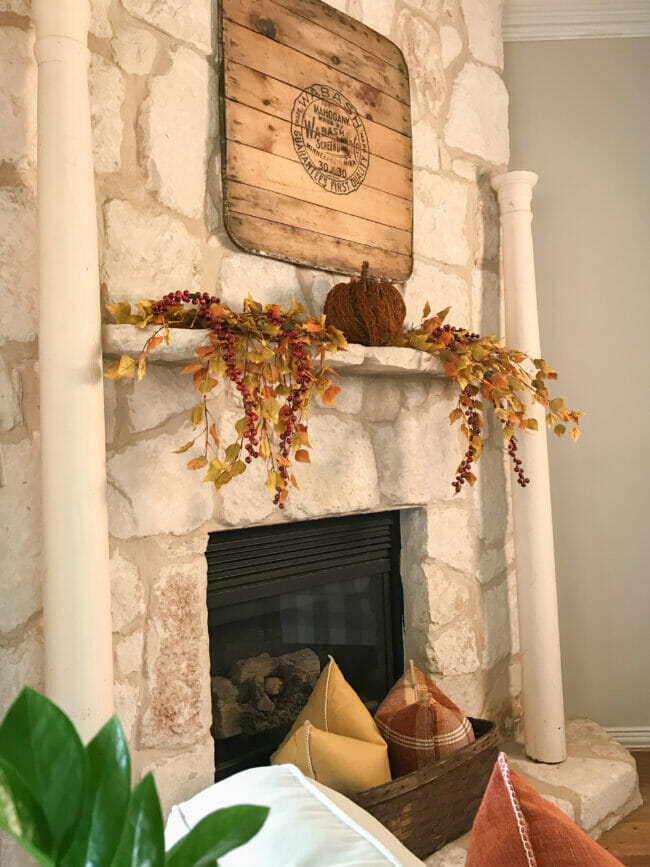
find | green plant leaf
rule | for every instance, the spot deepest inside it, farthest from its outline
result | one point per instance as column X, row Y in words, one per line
column 38, row 740
column 21, row 816
column 141, row 843
column 216, row 835
column 106, row 801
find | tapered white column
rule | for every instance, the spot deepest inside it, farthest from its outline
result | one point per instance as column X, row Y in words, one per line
column 76, row 592
column 543, row 704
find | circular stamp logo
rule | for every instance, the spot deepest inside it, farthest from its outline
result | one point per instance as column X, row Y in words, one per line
column 330, row 139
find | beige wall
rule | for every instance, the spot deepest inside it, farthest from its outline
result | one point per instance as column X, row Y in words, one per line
column 579, row 117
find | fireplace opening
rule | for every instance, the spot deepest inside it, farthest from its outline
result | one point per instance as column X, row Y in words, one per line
column 281, row 599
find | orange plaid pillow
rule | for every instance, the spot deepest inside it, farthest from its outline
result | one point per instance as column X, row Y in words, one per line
column 516, row 826
column 419, row 723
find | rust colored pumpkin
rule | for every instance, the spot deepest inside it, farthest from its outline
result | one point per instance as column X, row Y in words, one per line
column 366, row 310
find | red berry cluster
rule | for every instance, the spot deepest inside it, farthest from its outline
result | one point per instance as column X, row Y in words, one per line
column 473, row 421
column 437, row 332
column 521, row 475
column 173, row 299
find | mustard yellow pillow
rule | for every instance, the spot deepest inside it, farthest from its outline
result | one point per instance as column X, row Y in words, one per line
column 336, row 722
column 335, row 707
column 347, row 765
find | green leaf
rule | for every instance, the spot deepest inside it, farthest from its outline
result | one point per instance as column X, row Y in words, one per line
column 141, row 843
column 21, row 816
column 41, row 744
column 216, row 835
column 107, row 799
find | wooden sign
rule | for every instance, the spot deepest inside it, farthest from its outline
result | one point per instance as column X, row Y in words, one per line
column 317, row 161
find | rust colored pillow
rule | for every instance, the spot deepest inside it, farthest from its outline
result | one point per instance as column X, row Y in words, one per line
column 516, row 826
column 419, row 723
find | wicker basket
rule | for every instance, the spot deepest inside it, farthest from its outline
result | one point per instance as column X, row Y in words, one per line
column 436, row 804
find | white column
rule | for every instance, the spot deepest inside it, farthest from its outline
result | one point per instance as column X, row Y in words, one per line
column 76, row 592
column 543, row 704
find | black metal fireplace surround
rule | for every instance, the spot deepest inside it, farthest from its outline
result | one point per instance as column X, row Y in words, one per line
column 281, row 599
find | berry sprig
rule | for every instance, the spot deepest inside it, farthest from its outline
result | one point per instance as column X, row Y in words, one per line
column 274, row 360
column 517, row 462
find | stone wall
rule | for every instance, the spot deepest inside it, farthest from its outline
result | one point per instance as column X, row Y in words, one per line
column 387, row 443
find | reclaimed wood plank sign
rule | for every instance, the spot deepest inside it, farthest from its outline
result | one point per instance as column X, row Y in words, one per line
column 316, row 120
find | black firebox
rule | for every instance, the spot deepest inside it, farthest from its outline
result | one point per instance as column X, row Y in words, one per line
column 281, row 600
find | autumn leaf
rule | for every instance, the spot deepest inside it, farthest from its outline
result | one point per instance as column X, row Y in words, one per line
column 532, row 424
column 199, row 376
column 302, row 456
column 142, row 367
column 574, row 433
column 293, row 481
column 197, row 463
column 232, row 452
column 197, row 415
column 213, row 434
column 217, row 367
column 330, row 395
column 455, row 414
column 192, row 367
column 559, row 430
column 451, row 370
column 426, row 311
column 184, row 448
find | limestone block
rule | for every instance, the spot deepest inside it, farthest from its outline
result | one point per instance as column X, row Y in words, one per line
column 430, row 8
column 377, row 14
column 483, row 20
column 486, row 303
column 134, row 49
column 245, row 500
column 496, row 624
column 110, row 408
column 478, row 114
column 100, row 24
column 161, row 394
column 464, row 169
column 180, row 777
column 492, row 564
column 151, row 491
column 513, row 613
column 450, row 45
column 447, row 595
column 425, row 146
column 342, row 475
column 562, row 804
column 489, row 493
column 187, row 20
column 267, row 280
column 440, row 289
column 467, row 691
column 20, row 534
column 127, row 594
column 455, row 650
column 383, row 399
column 21, row 665
column 179, row 547
column 146, row 254
column 177, row 124
column 129, row 653
column 439, row 222
column 350, row 398
column 416, row 454
column 451, row 536
column 126, row 698
column 106, row 84
column 10, row 396
column 421, row 46
column 17, row 97
column 177, row 658
column 17, row 264
column 415, row 391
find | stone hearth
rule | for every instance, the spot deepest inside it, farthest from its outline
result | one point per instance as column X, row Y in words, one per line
column 596, row 786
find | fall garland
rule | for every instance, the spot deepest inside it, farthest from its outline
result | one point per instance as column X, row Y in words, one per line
column 276, row 361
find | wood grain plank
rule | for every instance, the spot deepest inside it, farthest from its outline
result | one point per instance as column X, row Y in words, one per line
column 265, row 93
column 352, row 30
column 251, row 127
column 299, row 245
column 301, row 71
column 284, row 26
column 260, row 169
column 246, row 199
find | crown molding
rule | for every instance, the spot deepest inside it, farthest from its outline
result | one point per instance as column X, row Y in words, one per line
column 533, row 20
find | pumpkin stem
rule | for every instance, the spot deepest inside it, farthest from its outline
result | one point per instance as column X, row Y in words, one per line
column 364, row 270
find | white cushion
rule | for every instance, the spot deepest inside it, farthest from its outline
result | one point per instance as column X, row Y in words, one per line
column 308, row 825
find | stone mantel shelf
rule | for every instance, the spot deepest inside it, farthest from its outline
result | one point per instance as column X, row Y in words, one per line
column 358, row 360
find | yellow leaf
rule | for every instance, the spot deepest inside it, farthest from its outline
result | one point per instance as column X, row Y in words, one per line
column 455, row 414
column 232, row 452
column 142, row 367
column 197, row 415
column 559, row 430
column 270, row 408
column 238, row 468
column 557, row 404
column 217, row 367
column 265, row 451
column 113, row 371
column 532, row 424
column 197, row 463
column 120, row 312
column 184, row 448
column 208, row 384
column 126, row 367
column 426, row 311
